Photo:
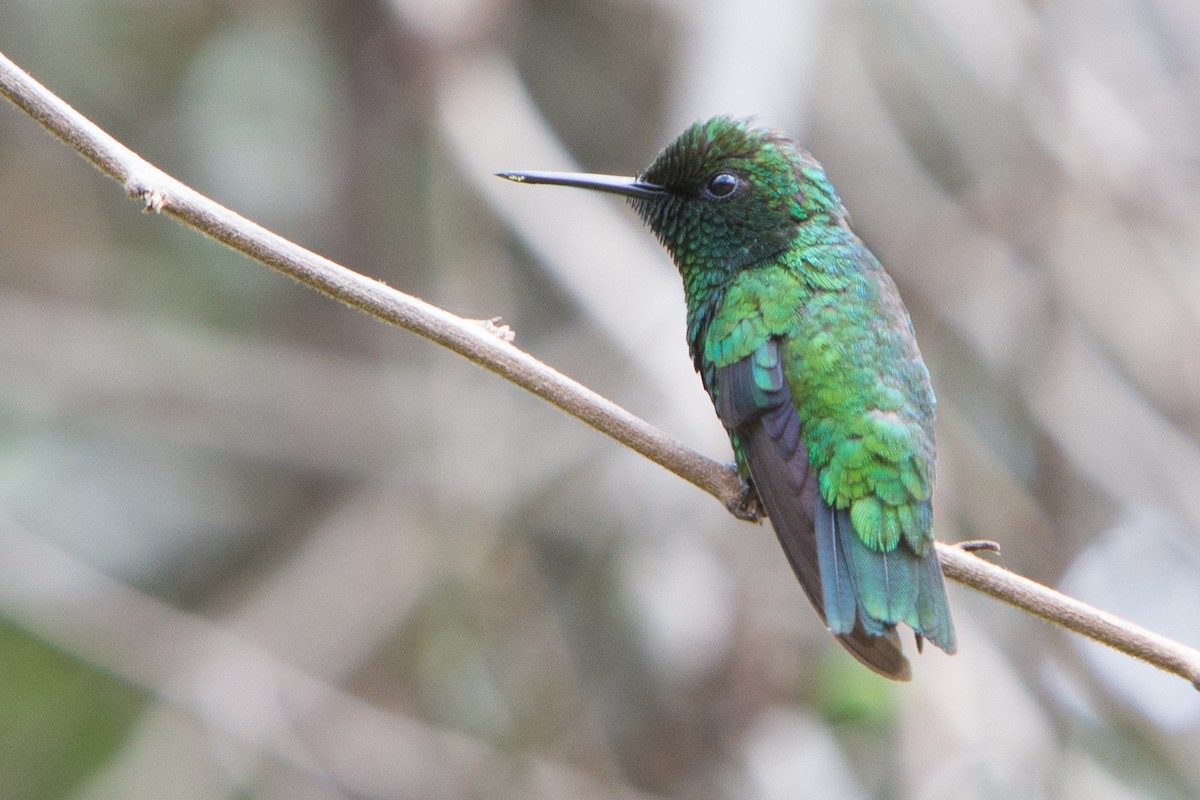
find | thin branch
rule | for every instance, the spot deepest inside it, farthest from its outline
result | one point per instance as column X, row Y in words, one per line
column 477, row 341
column 480, row 343
column 1054, row 606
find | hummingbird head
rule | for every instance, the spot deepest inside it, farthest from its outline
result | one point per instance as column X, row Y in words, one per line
column 733, row 194
column 722, row 196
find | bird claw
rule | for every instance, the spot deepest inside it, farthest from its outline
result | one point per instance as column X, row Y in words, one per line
column 747, row 506
column 979, row 546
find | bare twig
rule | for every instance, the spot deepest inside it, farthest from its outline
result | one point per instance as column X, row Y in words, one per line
column 479, row 342
column 1053, row 606
column 163, row 194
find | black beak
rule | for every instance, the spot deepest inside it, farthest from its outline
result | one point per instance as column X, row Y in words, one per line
column 614, row 184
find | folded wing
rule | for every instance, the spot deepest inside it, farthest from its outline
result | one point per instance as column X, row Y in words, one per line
column 754, row 402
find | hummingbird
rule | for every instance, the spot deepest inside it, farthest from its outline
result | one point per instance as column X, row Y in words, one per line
column 810, row 358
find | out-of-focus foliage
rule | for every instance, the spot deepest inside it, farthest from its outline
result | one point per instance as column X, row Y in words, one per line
column 61, row 719
column 254, row 544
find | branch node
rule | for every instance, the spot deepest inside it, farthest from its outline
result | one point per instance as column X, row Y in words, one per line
column 497, row 327
column 152, row 194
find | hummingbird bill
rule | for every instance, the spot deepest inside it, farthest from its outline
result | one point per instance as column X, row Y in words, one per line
column 810, row 358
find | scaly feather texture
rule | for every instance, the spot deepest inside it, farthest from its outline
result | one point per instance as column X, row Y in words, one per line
column 809, row 355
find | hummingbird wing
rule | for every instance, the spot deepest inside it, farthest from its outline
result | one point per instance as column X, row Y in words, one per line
column 754, row 402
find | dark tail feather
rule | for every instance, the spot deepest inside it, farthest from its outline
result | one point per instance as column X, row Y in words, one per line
column 882, row 654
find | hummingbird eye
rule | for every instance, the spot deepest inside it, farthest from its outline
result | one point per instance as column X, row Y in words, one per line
column 722, row 185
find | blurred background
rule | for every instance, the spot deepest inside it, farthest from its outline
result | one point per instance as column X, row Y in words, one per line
column 256, row 545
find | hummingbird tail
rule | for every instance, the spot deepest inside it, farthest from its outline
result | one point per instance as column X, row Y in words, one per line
column 885, row 587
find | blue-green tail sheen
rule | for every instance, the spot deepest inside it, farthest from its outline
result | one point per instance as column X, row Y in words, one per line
column 879, row 589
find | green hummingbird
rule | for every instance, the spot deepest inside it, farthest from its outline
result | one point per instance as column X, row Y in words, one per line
column 811, row 361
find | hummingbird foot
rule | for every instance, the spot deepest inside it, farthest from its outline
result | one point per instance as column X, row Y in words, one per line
column 979, row 546
column 497, row 327
column 747, row 506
